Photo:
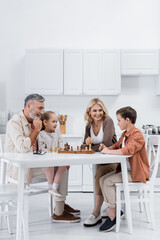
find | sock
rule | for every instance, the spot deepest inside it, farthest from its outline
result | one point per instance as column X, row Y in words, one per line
column 49, row 186
column 55, row 186
column 59, row 208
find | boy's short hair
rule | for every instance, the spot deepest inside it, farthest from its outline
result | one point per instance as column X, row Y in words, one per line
column 128, row 112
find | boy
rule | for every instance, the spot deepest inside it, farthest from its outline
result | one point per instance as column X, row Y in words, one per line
column 132, row 143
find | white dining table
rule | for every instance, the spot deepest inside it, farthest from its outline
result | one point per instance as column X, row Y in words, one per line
column 30, row 160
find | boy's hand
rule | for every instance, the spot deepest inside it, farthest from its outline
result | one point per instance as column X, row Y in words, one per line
column 106, row 151
column 101, row 147
column 89, row 141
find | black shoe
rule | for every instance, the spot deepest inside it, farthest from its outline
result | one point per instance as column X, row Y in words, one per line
column 108, row 225
column 122, row 214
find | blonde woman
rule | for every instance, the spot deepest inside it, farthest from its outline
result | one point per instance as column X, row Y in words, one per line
column 99, row 129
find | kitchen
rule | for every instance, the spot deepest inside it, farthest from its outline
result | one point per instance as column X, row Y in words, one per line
column 79, row 25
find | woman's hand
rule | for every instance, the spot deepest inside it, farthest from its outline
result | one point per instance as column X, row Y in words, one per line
column 89, row 141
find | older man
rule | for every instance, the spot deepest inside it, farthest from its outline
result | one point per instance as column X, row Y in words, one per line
column 21, row 136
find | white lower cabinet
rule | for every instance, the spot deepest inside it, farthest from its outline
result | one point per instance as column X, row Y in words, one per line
column 80, row 177
column 158, row 85
column 87, row 178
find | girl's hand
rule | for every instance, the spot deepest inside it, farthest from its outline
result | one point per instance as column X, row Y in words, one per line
column 106, row 151
column 89, row 141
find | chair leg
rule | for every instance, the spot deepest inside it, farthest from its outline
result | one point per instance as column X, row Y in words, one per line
column 140, row 192
column 25, row 218
column 9, row 219
column 118, row 209
column 151, row 203
column 50, row 205
column 146, row 207
column 1, row 217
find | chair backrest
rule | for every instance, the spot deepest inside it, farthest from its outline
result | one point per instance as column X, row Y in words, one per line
column 146, row 139
column 153, row 152
column 2, row 142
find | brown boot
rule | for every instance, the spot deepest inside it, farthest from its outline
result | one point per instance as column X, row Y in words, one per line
column 69, row 209
column 65, row 217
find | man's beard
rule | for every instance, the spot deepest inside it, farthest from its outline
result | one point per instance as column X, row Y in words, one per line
column 32, row 114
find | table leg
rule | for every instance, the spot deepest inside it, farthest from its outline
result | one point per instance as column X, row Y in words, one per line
column 20, row 203
column 3, row 171
column 126, row 195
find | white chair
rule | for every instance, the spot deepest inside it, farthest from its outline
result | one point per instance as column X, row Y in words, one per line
column 32, row 189
column 8, row 200
column 146, row 189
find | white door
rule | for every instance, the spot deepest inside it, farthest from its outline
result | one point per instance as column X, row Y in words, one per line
column 44, row 71
column 72, row 72
column 137, row 62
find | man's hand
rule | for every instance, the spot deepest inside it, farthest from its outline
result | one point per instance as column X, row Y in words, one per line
column 37, row 123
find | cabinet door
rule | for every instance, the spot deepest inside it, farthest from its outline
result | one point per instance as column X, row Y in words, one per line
column 72, row 72
column 137, row 62
column 102, row 72
column 75, row 172
column 92, row 72
column 111, row 72
column 44, row 71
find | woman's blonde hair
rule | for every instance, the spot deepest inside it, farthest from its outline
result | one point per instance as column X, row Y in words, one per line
column 94, row 101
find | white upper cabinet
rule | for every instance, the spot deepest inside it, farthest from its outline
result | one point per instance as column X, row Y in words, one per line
column 137, row 62
column 44, row 71
column 92, row 72
column 111, row 72
column 73, row 72
column 101, row 72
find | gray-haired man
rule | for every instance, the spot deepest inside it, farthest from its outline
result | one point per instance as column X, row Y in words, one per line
column 21, row 136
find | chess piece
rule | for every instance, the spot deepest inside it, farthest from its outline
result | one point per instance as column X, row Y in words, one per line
column 71, row 148
column 86, row 149
column 77, row 148
column 48, row 150
column 90, row 149
column 66, row 147
column 51, row 149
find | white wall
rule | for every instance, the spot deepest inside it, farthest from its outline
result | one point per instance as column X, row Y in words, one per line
column 78, row 24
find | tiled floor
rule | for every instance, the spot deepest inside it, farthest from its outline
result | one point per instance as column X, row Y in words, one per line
column 41, row 226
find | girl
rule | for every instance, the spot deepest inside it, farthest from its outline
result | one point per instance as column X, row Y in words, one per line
column 49, row 138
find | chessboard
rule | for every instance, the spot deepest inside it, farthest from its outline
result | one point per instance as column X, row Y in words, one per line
column 75, row 152
column 70, row 150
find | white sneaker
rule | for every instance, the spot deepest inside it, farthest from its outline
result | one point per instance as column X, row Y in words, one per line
column 92, row 220
column 54, row 192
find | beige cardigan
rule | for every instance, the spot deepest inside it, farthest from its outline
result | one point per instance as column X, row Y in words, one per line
column 17, row 140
